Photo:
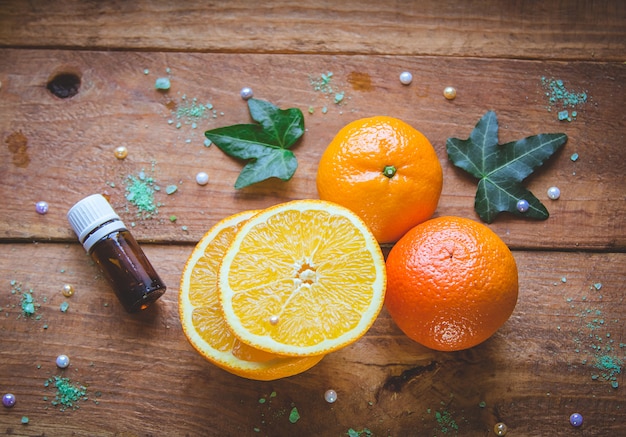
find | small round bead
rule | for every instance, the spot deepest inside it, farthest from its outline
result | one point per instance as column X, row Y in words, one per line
column 500, row 429
column 406, row 78
column 554, row 193
column 330, row 396
column 246, row 93
column 449, row 92
column 202, row 178
column 121, row 152
column 41, row 207
column 274, row 320
column 8, row 400
column 576, row 419
column 63, row 361
column 67, row 290
column 522, row 205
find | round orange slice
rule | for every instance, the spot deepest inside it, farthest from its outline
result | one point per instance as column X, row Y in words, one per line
column 302, row 278
column 202, row 318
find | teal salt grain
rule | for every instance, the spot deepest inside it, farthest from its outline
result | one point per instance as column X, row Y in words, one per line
column 609, row 367
column 558, row 95
column 162, row 83
column 294, row 415
column 28, row 305
column 140, row 192
column 68, row 395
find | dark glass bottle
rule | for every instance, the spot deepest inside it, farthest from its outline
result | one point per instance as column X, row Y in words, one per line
column 116, row 252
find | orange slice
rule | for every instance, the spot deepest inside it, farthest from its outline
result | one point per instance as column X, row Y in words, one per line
column 302, row 278
column 202, row 318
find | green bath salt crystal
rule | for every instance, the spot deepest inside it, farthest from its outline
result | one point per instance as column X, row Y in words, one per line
column 294, row 416
column 28, row 305
column 140, row 192
column 162, row 83
column 67, row 394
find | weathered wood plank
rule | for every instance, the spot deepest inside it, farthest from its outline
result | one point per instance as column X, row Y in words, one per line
column 572, row 30
column 536, row 371
column 60, row 150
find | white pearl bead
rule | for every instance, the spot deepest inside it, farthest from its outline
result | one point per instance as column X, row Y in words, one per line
column 273, row 320
column 330, row 396
column 63, row 361
column 202, row 178
column 554, row 193
column 246, row 93
column 522, row 205
column 406, row 78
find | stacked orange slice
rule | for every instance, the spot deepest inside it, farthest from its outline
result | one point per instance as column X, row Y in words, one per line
column 266, row 294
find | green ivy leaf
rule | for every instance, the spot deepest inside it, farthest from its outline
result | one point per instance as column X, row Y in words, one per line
column 502, row 168
column 264, row 145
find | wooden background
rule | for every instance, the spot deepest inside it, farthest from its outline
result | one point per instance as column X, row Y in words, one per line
column 143, row 377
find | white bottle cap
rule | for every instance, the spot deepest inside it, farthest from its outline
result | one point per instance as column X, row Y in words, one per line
column 89, row 214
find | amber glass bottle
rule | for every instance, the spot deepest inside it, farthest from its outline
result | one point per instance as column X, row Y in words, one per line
column 117, row 253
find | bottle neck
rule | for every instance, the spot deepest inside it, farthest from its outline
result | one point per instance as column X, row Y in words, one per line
column 102, row 231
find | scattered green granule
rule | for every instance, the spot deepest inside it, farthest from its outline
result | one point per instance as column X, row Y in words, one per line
column 171, row 189
column 189, row 109
column 446, row 422
column 609, row 367
column 362, row 433
column 140, row 192
column 68, row 395
column 25, row 420
column 558, row 95
column 322, row 83
column 28, row 306
column 594, row 340
column 64, row 307
column 294, row 415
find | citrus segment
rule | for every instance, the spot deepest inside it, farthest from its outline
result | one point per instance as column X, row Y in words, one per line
column 202, row 318
column 384, row 170
column 452, row 282
column 302, row 278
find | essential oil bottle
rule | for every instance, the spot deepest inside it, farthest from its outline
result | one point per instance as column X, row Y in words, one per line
column 116, row 252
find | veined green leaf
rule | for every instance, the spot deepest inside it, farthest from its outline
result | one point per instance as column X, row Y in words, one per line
column 263, row 145
column 502, row 168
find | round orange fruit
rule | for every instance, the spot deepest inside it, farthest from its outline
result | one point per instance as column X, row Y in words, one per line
column 451, row 283
column 385, row 171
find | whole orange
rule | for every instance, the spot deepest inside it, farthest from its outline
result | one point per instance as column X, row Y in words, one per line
column 451, row 283
column 385, row 171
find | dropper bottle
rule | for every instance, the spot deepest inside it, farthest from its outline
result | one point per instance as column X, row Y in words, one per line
column 116, row 252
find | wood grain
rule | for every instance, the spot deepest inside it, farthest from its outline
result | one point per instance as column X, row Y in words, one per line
column 142, row 376
column 69, row 143
column 540, row 364
column 565, row 30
